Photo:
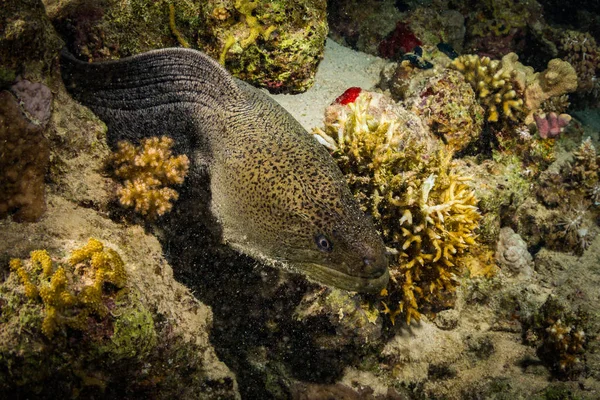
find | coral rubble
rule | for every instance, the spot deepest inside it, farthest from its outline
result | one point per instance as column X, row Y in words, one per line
column 145, row 172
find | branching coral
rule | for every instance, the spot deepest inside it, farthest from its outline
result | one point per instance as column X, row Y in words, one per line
column 70, row 300
column 559, row 335
column 493, row 84
column 509, row 89
column 574, row 228
column 551, row 125
column 402, row 176
column 146, row 171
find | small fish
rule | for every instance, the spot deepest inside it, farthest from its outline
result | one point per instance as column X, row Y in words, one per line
column 447, row 50
column 417, row 60
column 277, row 194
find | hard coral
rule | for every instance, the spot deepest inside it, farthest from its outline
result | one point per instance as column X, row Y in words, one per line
column 511, row 89
column 401, row 175
column 581, row 51
column 25, row 157
column 572, row 193
column 146, row 171
column 551, row 125
column 492, row 81
column 559, row 335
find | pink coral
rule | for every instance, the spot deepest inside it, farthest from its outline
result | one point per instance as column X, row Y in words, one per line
column 551, row 125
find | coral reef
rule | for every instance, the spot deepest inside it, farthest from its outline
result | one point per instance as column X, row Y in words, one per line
column 435, row 24
column 140, row 333
column 424, row 209
column 551, row 125
column 85, row 307
column 145, row 172
column 120, row 28
column 71, row 304
column 273, row 44
column 25, row 156
column 509, row 89
column 448, row 105
column 560, row 337
column 240, row 33
column 398, row 42
column 153, row 341
column 501, row 186
column 491, row 80
column 564, row 218
column 495, row 28
column 28, row 41
column 581, row 51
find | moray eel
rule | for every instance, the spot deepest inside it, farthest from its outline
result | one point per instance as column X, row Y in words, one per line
column 276, row 193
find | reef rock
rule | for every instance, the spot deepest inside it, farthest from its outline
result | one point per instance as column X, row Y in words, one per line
column 512, row 254
column 25, row 156
column 274, row 44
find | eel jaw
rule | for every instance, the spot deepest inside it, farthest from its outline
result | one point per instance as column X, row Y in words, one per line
column 328, row 276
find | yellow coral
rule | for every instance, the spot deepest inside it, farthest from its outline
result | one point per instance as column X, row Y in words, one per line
column 492, row 82
column 146, row 171
column 42, row 258
column 56, row 297
column 67, row 303
column 511, row 89
column 426, row 212
column 79, row 255
column 16, row 266
column 106, row 262
column 438, row 233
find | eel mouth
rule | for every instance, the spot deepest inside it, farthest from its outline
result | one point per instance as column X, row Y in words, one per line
column 332, row 277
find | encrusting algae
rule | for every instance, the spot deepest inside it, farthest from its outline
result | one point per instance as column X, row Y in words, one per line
column 67, row 302
column 425, row 210
column 146, row 172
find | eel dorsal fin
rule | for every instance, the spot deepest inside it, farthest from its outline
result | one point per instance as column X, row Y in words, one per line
column 162, row 92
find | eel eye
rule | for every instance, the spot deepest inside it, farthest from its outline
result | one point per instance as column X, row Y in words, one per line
column 323, row 243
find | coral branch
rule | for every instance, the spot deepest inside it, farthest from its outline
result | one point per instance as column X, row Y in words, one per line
column 146, row 171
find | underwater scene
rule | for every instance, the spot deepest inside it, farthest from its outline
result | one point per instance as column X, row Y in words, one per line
column 268, row 199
